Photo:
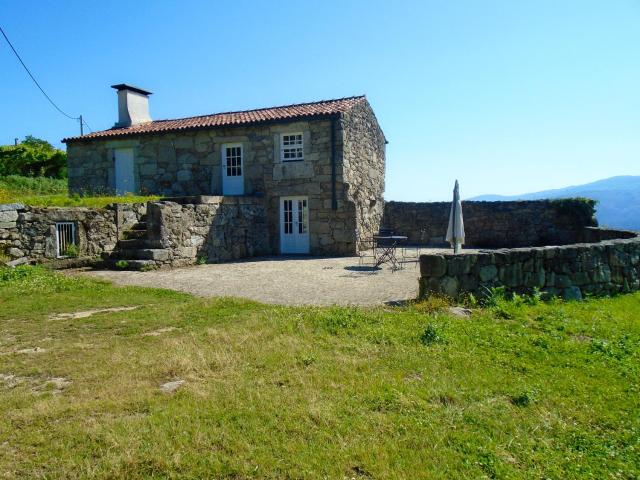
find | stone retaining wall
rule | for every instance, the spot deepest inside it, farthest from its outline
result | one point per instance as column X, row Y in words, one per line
column 610, row 265
column 28, row 234
column 223, row 228
column 494, row 224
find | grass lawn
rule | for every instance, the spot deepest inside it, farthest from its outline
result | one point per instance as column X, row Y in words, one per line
column 515, row 391
column 52, row 192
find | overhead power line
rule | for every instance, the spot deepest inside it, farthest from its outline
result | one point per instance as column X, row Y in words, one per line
column 39, row 87
column 87, row 125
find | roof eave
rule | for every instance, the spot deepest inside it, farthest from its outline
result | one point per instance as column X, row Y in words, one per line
column 303, row 118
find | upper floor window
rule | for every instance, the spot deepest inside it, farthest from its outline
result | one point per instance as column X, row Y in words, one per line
column 291, row 148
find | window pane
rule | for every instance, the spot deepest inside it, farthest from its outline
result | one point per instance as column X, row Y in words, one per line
column 291, row 147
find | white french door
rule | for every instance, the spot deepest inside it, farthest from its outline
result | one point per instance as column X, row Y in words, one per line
column 232, row 169
column 294, row 225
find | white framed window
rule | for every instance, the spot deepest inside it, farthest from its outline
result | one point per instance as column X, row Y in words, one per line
column 65, row 238
column 291, row 147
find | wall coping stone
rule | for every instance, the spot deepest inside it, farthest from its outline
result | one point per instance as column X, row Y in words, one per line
column 214, row 199
column 4, row 207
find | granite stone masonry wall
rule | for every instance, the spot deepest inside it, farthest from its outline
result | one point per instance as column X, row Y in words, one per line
column 610, row 265
column 223, row 228
column 28, row 234
column 493, row 224
column 364, row 150
column 189, row 163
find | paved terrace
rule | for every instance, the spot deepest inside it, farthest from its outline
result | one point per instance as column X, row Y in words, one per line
column 285, row 280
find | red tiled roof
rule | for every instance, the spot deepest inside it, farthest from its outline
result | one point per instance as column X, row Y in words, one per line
column 323, row 107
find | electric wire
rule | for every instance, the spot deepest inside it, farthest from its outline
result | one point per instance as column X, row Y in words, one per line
column 37, row 84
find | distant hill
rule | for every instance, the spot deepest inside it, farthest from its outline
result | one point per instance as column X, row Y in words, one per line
column 618, row 199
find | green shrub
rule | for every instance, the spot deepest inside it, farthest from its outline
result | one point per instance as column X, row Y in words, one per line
column 33, row 157
column 4, row 257
column 470, row 300
column 534, row 298
column 494, row 296
column 12, row 274
column 432, row 304
column 581, row 209
column 525, row 398
column 432, row 334
column 72, row 251
column 122, row 264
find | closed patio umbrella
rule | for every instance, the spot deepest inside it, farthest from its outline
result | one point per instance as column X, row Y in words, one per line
column 455, row 230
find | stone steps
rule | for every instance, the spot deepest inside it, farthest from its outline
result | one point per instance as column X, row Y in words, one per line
column 131, row 244
column 141, row 225
column 119, row 264
column 132, row 252
column 158, row 254
column 134, row 234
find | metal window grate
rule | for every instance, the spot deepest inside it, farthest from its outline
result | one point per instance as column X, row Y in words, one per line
column 65, row 236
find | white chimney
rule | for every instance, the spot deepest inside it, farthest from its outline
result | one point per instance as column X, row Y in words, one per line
column 133, row 105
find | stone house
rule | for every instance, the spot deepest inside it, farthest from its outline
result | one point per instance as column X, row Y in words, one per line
column 318, row 168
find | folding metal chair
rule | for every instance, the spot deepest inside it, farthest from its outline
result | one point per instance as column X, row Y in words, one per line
column 366, row 248
column 412, row 252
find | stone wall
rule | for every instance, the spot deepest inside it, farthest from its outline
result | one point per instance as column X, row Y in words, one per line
column 28, row 234
column 364, row 149
column 572, row 271
column 493, row 224
column 223, row 228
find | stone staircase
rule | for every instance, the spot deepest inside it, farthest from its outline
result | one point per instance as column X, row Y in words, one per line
column 134, row 252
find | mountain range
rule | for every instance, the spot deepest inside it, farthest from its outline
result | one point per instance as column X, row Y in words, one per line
column 618, row 199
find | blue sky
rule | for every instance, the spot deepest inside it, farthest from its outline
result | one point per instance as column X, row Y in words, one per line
column 507, row 96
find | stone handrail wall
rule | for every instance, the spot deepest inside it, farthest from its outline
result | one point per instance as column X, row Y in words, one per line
column 28, row 234
column 493, row 224
column 218, row 229
column 608, row 266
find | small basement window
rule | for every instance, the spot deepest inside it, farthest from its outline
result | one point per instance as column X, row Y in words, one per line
column 66, row 239
column 291, row 147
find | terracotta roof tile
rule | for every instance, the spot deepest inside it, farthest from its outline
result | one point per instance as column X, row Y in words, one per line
column 323, row 107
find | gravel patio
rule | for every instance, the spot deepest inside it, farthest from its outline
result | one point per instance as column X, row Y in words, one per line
column 283, row 280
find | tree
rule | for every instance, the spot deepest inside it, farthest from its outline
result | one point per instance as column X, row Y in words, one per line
column 33, row 157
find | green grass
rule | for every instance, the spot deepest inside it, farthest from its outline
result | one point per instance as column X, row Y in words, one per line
column 52, row 192
column 517, row 391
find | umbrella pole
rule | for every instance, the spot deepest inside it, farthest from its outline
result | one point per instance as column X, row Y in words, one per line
column 453, row 231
